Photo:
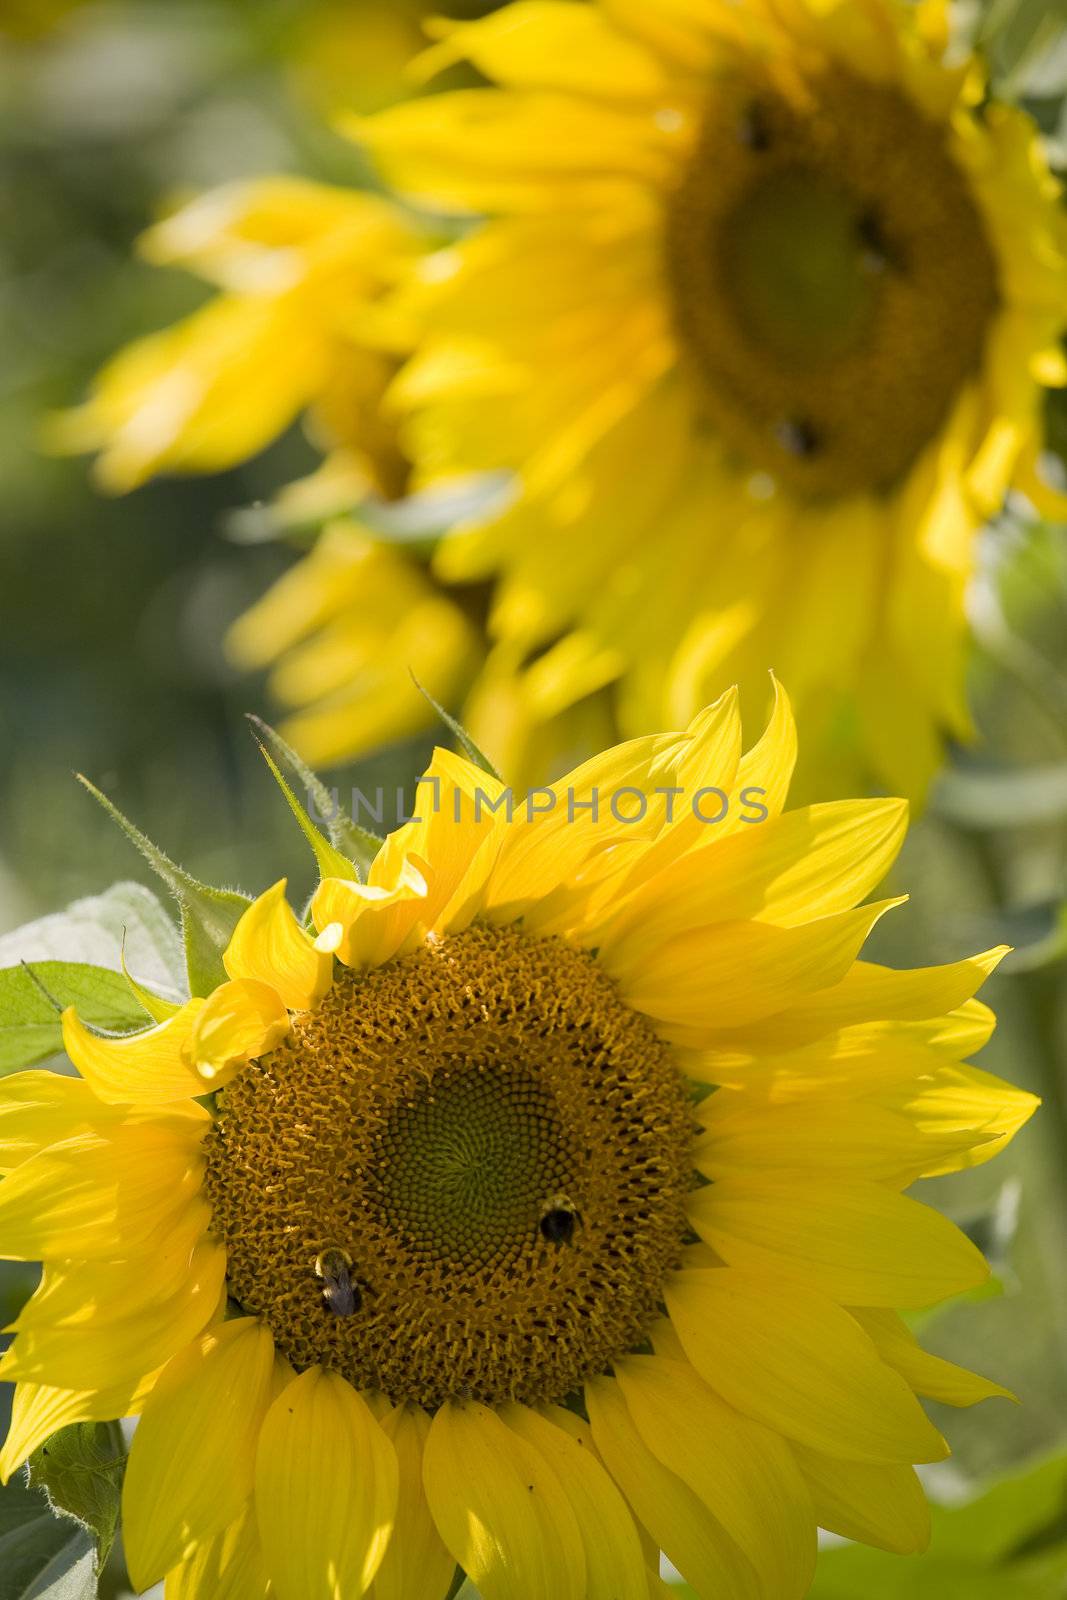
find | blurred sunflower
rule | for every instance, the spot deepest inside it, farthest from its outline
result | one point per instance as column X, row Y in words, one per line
column 762, row 323
column 297, row 329
column 466, row 1265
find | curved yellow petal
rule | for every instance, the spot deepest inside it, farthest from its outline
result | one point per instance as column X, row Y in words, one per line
column 39, row 1410
column 820, row 1135
column 742, row 1471
column 119, row 1346
column 240, row 1020
column 927, row 1374
column 326, row 1490
column 857, row 1242
column 227, row 1566
column 813, row 1375
column 416, row 1565
column 788, row 871
column 542, row 44
column 880, row 1505
column 149, row 1068
column 614, row 1560
column 376, row 921
column 100, row 1195
column 499, row 1508
column 688, row 1533
column 270, row 946
column 192, row 1460
column 39, row 1108
column 735, row 973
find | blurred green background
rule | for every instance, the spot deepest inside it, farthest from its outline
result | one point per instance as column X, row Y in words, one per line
column 111, row 613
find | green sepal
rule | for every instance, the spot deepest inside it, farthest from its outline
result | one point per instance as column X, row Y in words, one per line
column 208, row 915
column 80, row 1470
column 458, row 1584
column 349, row 844
column 33, row 994
column 459, row 733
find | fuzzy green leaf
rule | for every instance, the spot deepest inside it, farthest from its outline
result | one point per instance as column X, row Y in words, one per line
column 459, row 733
column 331, row 863
column 29, row 995
column 94, row 931
column 209, row 915
column 42, row 1557
column 355, row 846
column 80, row 1470
column 430, row 514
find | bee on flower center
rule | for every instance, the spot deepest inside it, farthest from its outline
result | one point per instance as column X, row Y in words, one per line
column 559, row 1220
column 341, row 1295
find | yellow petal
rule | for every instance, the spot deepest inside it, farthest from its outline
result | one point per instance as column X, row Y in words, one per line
column 869, row 993
column 116, row 1350
column 927, row 1374
column 856, row 1242
column 269, row 945
column 743, row 1472
column 39, row 1410
column 614, row 1561
column 768, row 766
column 376, row 921
column 191, row 1464
column 240, row 1020
column 326, row 1490
column 880, row 1505
column 148, row 1068
column 789, row 870
column 40, row 1108
column 738, row 972
column 416, row 1565
column 819, row 1135
column 99, row 1195
column 228, row 1566
column 681, row 1525
column 799, row 1364
column 545, row 44
column 499, row 1508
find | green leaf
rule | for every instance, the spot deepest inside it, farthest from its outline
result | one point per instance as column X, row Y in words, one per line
column 209, row 915
column 1009, row 1515
column 92, row 930
column 42, row 1557
column 355, row 846
column 429, row 514
column 331, row 863
column 29, row 1022
column 80, row 1470
column 459, row 733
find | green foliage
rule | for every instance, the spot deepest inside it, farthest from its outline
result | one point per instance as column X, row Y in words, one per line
column 80, row 1470
column 95, row 931
column 209, row 915
column 42, row 1557
column 32, row 996
column 460, row 734
column 350, row 849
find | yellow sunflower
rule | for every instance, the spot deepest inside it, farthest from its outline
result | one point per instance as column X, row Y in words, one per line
column 762, row 320
column 545, row 1211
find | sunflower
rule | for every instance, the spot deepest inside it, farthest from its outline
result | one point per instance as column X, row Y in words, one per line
column 762, row 320
column 538, row 1209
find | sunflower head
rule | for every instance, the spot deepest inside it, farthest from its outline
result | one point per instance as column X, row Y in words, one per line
column 531, row 1206
column 760, row 310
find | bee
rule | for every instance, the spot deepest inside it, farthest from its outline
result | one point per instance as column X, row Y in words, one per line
column 341, row 1295
column 559, row 1220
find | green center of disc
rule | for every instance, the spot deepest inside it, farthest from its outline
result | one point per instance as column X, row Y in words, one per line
column 795, row 263
column 467, row 1169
